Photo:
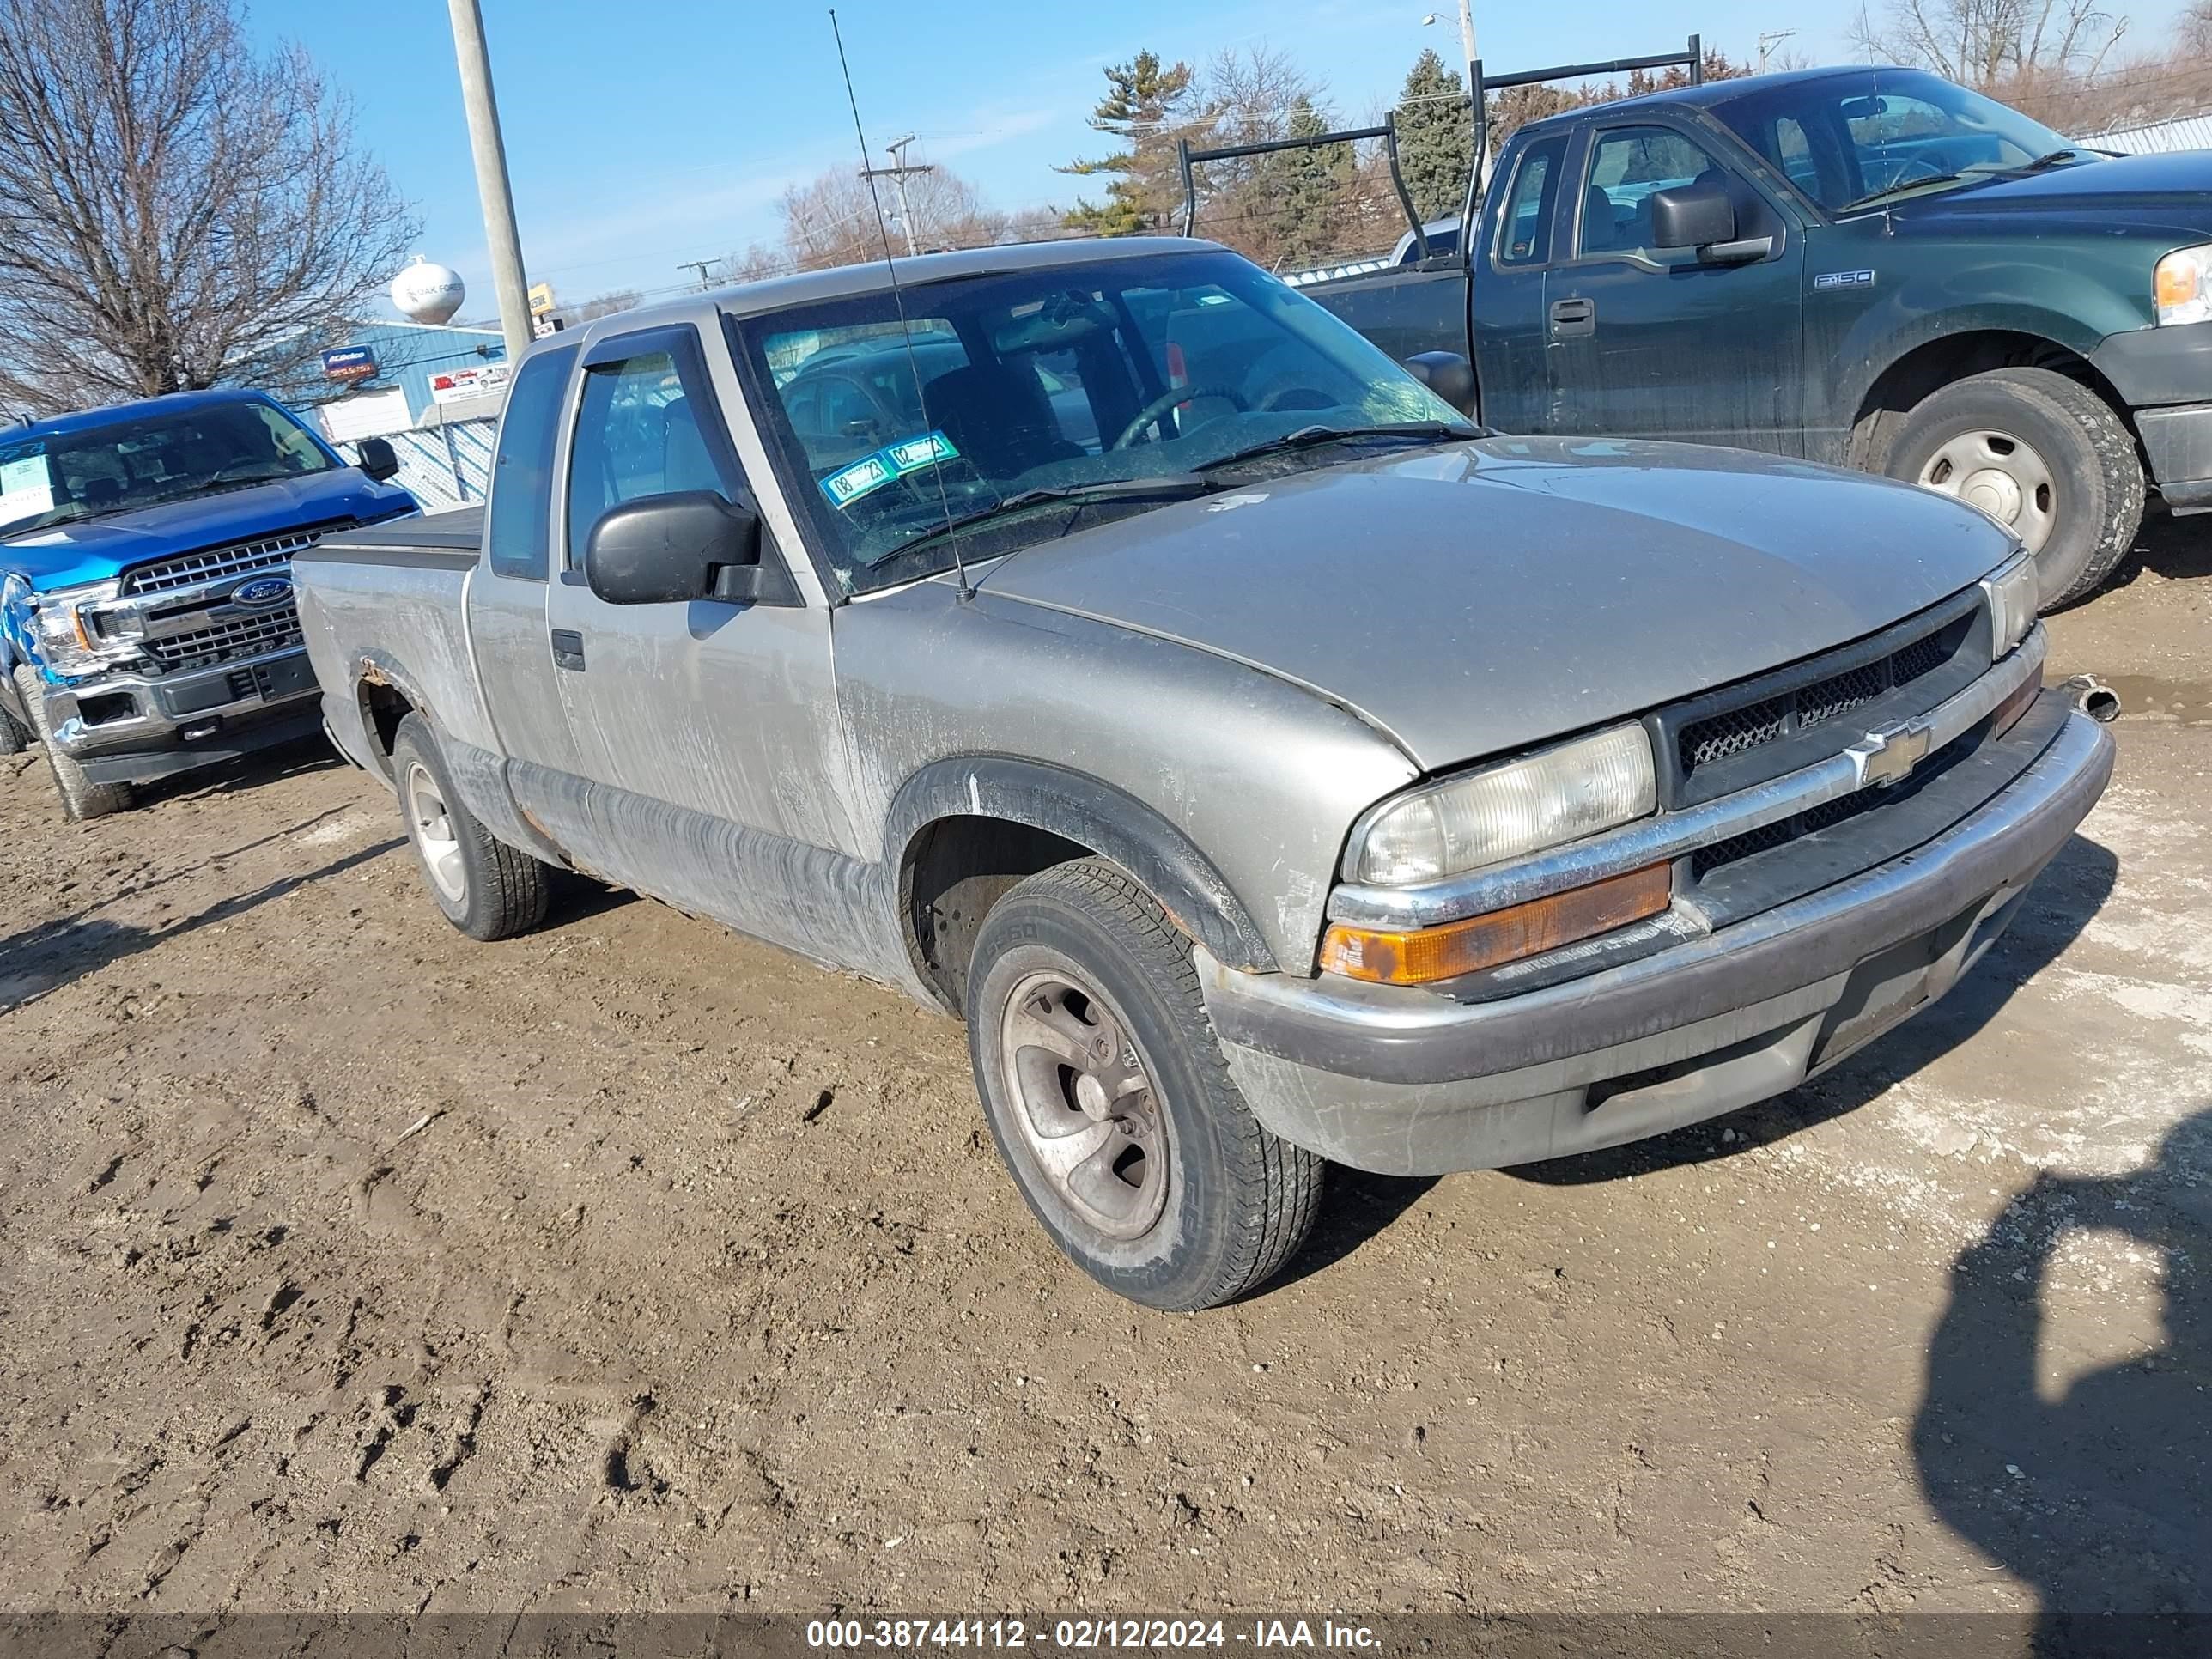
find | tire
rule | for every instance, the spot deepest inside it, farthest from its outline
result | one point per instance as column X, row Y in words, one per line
column 487, row 889
column 1990, row 437
column 1082, row 961
column 81, row 799
column 14, row 736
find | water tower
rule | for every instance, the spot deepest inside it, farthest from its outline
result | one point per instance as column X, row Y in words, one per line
column 427, row 293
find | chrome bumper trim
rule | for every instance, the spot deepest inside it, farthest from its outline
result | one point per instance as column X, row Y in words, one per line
column 1655, row 839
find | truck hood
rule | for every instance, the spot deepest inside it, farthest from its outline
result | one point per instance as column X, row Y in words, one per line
column 2175, row 188
column 1480, row 597
column 95, row 549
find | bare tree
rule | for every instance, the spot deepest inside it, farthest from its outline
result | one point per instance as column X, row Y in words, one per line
column 175, row 210
column 605, row 305
column 832, row 220
column 1993, row 46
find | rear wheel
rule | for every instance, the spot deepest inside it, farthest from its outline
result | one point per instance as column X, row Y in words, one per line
column 14, row 736
column 486, row 888
column 2044, row 456
column 1107, row 1093
column 80, row 797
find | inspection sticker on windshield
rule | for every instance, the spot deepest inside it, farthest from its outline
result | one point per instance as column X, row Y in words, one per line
column 849, row 483
column 27, row 488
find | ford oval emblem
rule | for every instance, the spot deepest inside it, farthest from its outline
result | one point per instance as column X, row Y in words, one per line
column 262, row 590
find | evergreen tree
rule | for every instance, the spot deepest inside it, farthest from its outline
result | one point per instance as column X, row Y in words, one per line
column 1144, row 102
column 1312, row 189
column 1436, row 136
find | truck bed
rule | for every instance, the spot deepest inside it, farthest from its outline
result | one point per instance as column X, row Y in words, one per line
column 407, row 579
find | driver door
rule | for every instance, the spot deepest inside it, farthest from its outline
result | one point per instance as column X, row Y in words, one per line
column 713, row 725
column 1648, row 341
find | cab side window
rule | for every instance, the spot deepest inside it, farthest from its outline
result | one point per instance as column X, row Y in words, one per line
column 1524, row 229
column 1626, row 166
column 518, row 530
column 637, row 434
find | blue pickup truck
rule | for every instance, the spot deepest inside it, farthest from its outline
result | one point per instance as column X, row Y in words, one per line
column 147, row 625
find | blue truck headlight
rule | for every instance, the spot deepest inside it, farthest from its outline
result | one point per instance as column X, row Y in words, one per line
column 1481, row 818
column 2182, row 285
column 2013, row 592
column 63, row 635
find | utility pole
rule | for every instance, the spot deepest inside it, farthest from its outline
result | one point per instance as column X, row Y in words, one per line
column 699, row 265
column 1467, row 55
column 897, row 175
column 1768, row 41
column 500, row 240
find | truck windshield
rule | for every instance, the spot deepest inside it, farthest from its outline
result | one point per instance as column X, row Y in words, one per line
column 1850, row 141
column 146, row 460
column 1061, row 385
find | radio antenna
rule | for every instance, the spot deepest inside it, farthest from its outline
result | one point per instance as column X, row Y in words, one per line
column 898, row 301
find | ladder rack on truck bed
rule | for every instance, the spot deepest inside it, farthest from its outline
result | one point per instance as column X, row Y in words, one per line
column 1691, row 59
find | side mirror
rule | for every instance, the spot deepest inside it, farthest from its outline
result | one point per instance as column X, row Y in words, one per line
column 665, row 549
column 379, row 459
column 1697, row 215
column 1448, row 374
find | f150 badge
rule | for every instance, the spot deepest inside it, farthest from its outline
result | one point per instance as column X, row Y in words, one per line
column 1843, row 279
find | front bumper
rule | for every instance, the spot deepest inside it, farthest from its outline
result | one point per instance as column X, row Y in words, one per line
column 1407, row 1082
column 2164, row 375
column 2178, row 442
column 131, row 728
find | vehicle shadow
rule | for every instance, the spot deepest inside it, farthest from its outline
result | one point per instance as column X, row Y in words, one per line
column 2098, row 1493
column 43, row 959
column 294, row 759
column 2177, row 549
column 1358, row 1207
column 2072, row 889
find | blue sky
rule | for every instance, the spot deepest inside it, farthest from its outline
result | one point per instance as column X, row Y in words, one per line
column 669, row 133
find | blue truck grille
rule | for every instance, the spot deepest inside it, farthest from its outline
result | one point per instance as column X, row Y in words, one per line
column 228, row 640
column 190, row 570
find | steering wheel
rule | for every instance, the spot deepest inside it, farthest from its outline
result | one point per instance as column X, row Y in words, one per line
column 1166, row 401
column 1915, row 169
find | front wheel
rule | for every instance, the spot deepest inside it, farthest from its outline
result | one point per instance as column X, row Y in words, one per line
column 486, row 888
column 80, row 798
column 1108, row 1098
column 2044, row 456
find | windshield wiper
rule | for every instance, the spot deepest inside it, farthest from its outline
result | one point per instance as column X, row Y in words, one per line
column 1306, row 437
column 1168, row 487
column 1898, row 189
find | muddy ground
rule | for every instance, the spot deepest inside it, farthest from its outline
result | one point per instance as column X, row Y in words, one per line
column 346, row 1263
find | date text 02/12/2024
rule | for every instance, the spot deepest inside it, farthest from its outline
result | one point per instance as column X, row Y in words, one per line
column 1083, row 1635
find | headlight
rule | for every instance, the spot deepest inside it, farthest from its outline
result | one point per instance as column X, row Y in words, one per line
column 2182, row 285
column 2013, row 593
column 1502, row 812
column 66, row 643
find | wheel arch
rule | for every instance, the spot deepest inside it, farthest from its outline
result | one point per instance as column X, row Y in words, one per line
column 1885, row 396
column 962, row 832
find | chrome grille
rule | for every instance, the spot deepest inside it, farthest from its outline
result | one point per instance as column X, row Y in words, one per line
column 190, row 570
column 226, row 640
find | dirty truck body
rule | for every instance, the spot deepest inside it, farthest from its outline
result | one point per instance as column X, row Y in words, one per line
column 146, row 624
column 1868, row 267
column 1285, row 773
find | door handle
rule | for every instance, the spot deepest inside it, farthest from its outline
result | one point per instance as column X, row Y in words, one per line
column 567, row 649
column 1571, row 317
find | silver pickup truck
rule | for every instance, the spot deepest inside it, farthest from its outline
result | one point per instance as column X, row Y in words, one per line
column 1105, row 645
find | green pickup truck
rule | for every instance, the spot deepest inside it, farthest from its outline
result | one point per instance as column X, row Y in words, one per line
column 1871, row 267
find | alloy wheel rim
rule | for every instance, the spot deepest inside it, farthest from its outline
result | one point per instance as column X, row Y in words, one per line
column 2003, row 476
column 432, row 825
column 1090, row 1118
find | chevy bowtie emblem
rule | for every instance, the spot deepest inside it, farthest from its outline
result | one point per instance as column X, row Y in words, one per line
column 1886, row 756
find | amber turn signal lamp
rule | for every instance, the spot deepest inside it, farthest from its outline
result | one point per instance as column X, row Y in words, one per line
column 2015, row 705
column 1421, row 955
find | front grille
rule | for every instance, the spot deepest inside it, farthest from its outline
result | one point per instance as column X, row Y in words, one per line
column 1733, row 731
column 229, row 640
column 190, row 570
column 1828, row 814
